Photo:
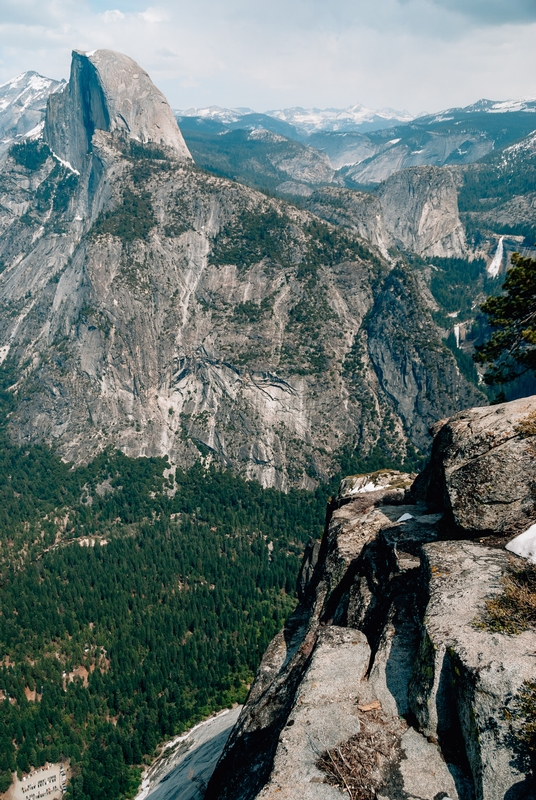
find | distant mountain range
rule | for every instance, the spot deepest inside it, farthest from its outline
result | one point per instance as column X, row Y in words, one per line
column 309, row 120
column 352, row 158
column 355, row 146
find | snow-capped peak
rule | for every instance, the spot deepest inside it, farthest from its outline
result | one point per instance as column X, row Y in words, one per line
column 224, row 115
column 23, row 102
column 311, row 120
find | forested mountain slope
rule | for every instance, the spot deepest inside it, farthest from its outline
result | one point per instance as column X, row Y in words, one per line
column 133, row 603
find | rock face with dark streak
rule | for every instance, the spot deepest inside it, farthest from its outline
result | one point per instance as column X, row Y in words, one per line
column 390, row 635
column 108, row 91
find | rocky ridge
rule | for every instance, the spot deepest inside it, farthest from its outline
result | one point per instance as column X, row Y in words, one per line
column 386, row 681
column 23, row 101
column 165, row 311
column 108, row 91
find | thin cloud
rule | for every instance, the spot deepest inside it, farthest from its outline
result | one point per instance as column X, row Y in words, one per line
column 423, row 55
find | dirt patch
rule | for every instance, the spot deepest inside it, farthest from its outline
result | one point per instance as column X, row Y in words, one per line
column 78, row 672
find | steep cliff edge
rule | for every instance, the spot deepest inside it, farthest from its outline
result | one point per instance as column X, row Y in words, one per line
column 393, row 679
column 108, row 91
column 414, row 210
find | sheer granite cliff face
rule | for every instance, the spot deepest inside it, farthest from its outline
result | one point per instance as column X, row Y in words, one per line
column 150, row 306
column 414, row 210
column 108, row 91
column 389, row 639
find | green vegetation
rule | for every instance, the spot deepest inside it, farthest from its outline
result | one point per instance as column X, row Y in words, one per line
column 511, row 350
column 30, row 154
column 53, row 194
column 524, row 229
column 524, row 714
column 148, row 150
column 383, row 455
column 251, row 237
column 65, row 189
column 158, row 627
column 309, row 317
column 252, row 312
column 455, row 282
column 329, row 246
column 465, row 362
column 239, row 157
column 132, row 219
column 496, row 179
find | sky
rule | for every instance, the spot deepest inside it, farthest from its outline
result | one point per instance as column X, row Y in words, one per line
column 419, row 55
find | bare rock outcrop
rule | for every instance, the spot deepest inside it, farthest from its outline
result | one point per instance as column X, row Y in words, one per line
column 483, row 468
column 108, row 91
column 164, row 311
column 414, row 210
column 392, row 636
column 420, row 212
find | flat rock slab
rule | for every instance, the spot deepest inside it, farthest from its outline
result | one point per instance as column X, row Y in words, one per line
column 423, row 770
column 182, row 772
column 324, row 715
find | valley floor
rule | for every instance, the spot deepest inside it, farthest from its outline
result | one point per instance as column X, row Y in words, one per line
column 183, row 769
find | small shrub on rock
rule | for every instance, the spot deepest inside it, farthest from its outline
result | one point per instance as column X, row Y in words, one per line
column 514, row 610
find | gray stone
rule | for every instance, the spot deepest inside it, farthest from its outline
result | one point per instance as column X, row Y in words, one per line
column 185, row 765
column 168, row 362
column 465, row 677
column 483, row 470
column 108, row 91
column 438, row 686
column 324, row 714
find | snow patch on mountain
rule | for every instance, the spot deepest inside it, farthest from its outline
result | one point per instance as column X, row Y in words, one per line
column 308, row 120
column 311, row 120
column 224, row 115
column 23, row 102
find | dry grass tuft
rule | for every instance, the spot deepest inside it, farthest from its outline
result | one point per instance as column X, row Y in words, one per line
column 357, row 765
column 514, row 610
column 527, row 426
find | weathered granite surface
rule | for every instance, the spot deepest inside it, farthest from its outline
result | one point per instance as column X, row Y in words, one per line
column 483, row 468
column 388, row 638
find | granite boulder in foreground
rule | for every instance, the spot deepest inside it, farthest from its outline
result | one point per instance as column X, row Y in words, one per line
column 386, row 672
column 483, row 468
